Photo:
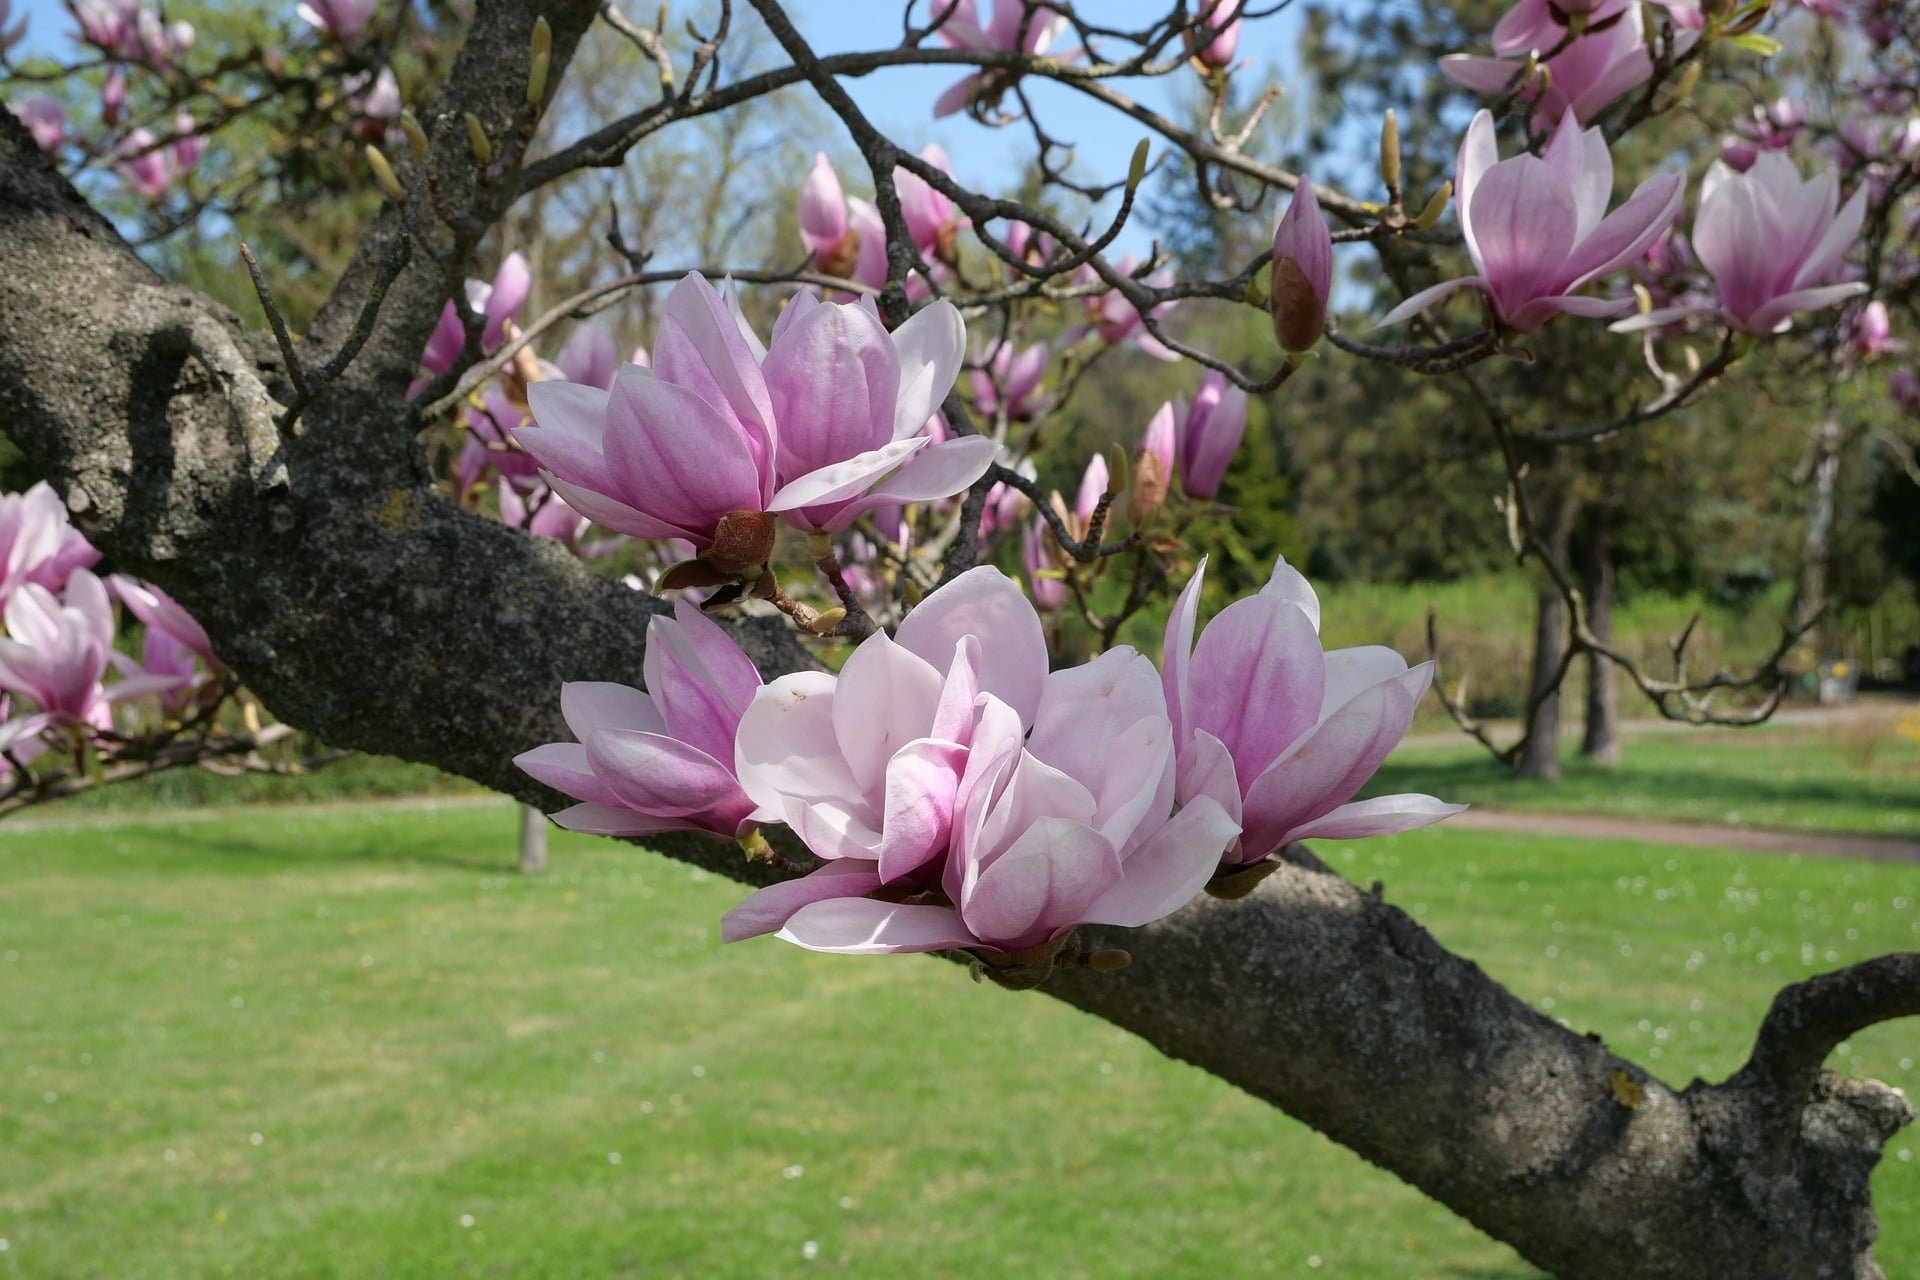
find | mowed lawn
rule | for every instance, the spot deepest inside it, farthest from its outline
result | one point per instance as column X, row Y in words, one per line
column 1857, row 779
column 351, row 1042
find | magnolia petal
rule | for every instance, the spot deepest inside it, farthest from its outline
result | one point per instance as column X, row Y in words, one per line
column 939, row 471
column 595, row 819
column 659, row 775
column 863, row 927
column 1043, row 883
column 768, row 909
column 986, row 603
column 592, row 705
column 564, row 767
column 1420, row 301
column 1380, row 816
column 930, row 348
column 1166, row 872
column 840, row 481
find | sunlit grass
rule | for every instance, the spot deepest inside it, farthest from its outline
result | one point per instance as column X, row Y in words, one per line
column 1794, row 779
column 351, row 1043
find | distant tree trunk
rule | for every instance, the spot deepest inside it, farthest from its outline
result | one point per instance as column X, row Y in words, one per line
column 1601, row 743
column 533, row 840
column 1817, row 546
column 1541, row 758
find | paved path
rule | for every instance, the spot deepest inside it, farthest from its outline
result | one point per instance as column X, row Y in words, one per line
column 1697, row 834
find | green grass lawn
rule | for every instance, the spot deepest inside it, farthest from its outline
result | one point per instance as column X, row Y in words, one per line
column 350, row 1042
column 1791, row 778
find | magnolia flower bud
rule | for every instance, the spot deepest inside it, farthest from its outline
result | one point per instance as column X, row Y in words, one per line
column 1302, row 272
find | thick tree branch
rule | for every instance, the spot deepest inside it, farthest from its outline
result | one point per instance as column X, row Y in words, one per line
column 363, row 608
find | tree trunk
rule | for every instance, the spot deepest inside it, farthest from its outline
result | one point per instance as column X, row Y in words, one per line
column 1817, row 545
column 1601, row 742
column 1540, row 757
column 363, row 607
column 533, row 840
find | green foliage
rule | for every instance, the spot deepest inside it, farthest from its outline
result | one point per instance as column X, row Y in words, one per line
column 443, row 1060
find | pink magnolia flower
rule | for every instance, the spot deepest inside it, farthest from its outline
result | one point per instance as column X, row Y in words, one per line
column 1210, row 431
column 1152, row 465
column 45, row 119
column 1538, row 229
column 1116, row 320
column 1302, row 272
column 1015, row 27
column 149, row 168
column 825, row 423
column 1589, row 73
column 1280, row 733
column 1771, row 242
column 662, row 759
column 339, row 19
column 188, row 143
column 37, row 542
column 113, row 95
column 589, row 358
column 56, row 652
column 1214, row 37
column 1904, row 387
column 844, row 234
column 950, row 765
column 1012, row 380
column 380, row 106
column 542, row 513
column 1094, row 483
column 161, row 614
column 497, row 303
column 1044, row 583
column 1872, row 330
column 1539, row 25
column 931, row 217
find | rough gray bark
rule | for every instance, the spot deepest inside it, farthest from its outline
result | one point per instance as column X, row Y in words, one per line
column 364, row 608
column 1600, row 742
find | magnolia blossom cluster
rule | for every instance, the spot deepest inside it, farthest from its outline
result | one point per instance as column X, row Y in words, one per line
column 1578, row 56
column 832, row 418
column 59, row 669
column 1539, row 233
column 962, row 795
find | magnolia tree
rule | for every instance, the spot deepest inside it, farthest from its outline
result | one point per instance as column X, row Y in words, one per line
column 853, row 651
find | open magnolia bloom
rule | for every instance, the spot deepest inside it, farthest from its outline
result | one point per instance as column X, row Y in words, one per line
column 1538, row 229
column 1771, row 241
column 982, row 801
column 1280, row 733
column 824, row 423
column 659, row 761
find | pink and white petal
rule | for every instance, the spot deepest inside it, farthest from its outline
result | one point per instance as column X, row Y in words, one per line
column 1351, row 670
column 591, row 705
column 863, row 927
column 1524, row 222
column 1479, row 74
column 1264, row 680
column 921, row 782
column 786, row 747
column 768, row 909
column 953, row 718
column 885, row 699
column 1041, row 884
column 841, row 481
column 718, row 656
column 1833, row 245
column 710, row 326
column 986, row 603
column 1166, row 872
column 594, row 819
column 1380, row 816
column 563, row 766
column 1325, row 768
column 957, row 96
column 671, row 453
column 1176, row 650
column 1420, row 301
column 612, row 514
column 1624, row 235
column 930, row 348
column 1774, row 315
column 1083, row 709
column 1658, row 318
column 939, row 471
column 1289, row 584
column 659, row 775
column 1540, row 310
